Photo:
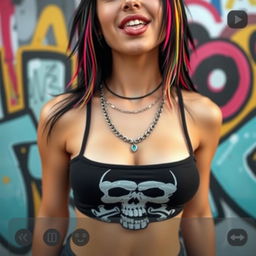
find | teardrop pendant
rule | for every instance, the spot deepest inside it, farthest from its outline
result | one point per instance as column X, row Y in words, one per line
column 134, row 148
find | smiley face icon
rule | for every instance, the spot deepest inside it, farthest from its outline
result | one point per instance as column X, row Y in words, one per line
column 80, row 237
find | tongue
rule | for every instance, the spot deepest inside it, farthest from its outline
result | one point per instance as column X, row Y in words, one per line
column 133, row 28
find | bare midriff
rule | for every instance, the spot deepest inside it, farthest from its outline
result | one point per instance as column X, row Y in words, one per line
column 111, row 239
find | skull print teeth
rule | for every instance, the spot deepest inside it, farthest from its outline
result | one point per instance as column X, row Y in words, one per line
column 133, row 212
column 134, row 224
column 127, row 219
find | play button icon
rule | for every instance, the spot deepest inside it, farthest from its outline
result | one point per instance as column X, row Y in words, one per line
column 237, row 19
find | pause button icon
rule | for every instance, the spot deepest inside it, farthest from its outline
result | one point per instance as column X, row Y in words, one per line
column 51, row 237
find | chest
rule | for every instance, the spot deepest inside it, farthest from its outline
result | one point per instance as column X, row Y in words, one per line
column 166, row 143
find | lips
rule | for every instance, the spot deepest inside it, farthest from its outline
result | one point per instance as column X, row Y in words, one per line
column 135, row 31
column 133, row 17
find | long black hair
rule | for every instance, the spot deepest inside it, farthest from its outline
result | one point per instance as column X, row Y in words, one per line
column 94, row 56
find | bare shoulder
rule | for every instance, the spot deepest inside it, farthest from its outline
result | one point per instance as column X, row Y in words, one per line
column 51, row 107
column 206, row 112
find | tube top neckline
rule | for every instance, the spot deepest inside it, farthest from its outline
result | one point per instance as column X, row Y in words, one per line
column 156, row 165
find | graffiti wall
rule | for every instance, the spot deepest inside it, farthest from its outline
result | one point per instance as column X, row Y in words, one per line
column 34, row 66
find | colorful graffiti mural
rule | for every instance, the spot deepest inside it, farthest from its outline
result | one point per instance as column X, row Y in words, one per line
column 34, row 66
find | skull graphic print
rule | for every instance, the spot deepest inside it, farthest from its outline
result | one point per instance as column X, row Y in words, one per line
column 134, row 201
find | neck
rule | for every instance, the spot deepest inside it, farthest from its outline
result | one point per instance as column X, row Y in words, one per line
column 133, row 75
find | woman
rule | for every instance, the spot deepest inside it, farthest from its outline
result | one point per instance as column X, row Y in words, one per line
column 133, row 139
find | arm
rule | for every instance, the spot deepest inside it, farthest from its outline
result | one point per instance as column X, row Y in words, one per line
column 53, row 211
column 197, row 226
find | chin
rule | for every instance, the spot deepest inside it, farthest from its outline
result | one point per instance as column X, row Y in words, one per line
column 136, row 49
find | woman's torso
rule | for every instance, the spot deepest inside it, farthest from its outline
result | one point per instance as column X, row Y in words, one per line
column 166, row 144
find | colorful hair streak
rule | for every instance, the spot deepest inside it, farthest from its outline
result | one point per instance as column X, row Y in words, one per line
column 89, row 58
column 171, row 74
column 169, row 23
column 181, row 50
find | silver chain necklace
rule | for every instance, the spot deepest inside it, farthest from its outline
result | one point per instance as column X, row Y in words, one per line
column 131, row 111
column 133, row 142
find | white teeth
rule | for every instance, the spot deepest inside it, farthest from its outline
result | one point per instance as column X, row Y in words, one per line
column 134, row 22
column 130, row 223
column 137, row 226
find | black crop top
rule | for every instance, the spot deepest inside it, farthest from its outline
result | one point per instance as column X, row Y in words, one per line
column 133, row 195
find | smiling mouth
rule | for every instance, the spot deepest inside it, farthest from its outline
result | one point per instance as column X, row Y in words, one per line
column 134, row 25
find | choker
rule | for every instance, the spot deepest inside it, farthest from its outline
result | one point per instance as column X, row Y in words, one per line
column 132, row 98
